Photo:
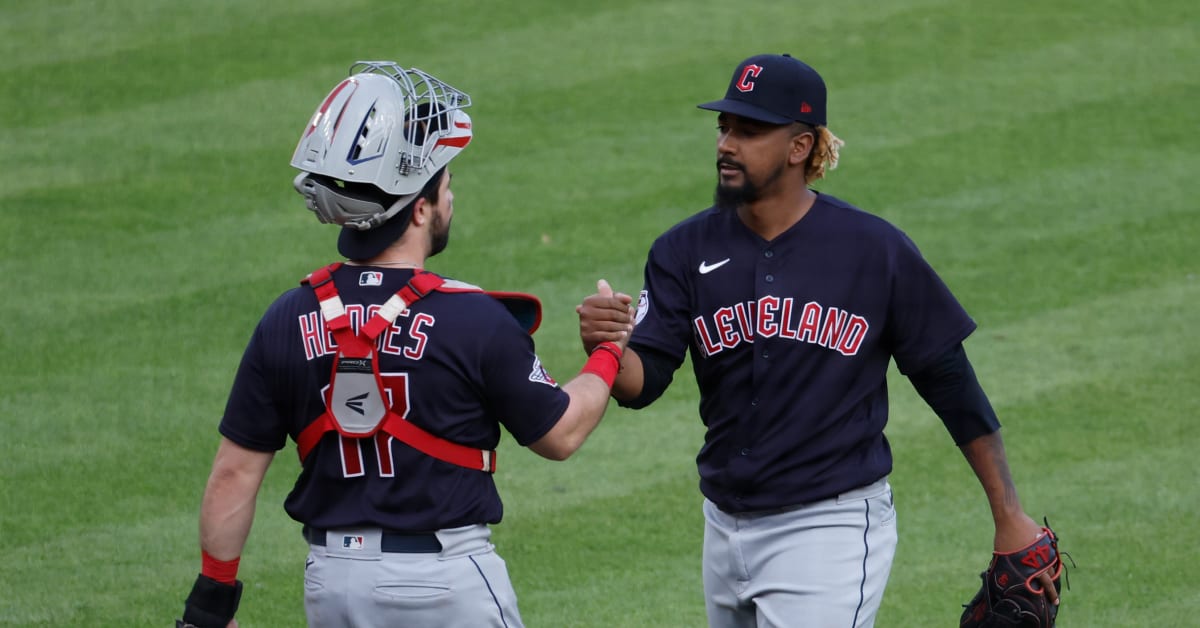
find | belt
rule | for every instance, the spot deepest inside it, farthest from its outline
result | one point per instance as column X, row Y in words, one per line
column 390, row 542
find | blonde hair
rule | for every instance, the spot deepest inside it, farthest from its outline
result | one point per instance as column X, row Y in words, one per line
column 824, row 155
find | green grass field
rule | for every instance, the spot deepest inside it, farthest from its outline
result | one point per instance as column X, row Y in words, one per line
column 1042, row 154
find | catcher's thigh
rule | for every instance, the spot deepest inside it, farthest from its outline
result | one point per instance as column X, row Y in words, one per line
column 465, row 586
column 822, row 564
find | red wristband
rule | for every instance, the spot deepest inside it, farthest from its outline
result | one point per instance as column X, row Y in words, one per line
column 604, row 362
column 220, row 570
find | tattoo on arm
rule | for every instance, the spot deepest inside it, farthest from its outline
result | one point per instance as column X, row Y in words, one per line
column 987, row 458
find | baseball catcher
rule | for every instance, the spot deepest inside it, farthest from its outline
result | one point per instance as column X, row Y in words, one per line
column 394, row 382
column 1014, row 588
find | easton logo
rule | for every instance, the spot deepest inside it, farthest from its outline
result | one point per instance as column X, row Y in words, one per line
column 355, row 403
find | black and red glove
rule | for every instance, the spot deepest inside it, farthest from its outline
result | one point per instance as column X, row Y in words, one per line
column 1011, row 595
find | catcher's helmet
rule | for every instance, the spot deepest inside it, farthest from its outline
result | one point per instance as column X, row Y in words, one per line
column 375, row 140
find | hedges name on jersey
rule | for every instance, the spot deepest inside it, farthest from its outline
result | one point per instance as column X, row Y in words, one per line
column 455, row 385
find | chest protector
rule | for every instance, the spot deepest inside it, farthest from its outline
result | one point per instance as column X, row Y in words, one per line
column 358, row 405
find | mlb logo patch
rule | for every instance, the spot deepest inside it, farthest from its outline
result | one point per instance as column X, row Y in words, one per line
column 370, row 278
column 352, row 542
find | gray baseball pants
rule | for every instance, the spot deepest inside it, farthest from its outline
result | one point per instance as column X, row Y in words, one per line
column 350, row 581
column 823, row 564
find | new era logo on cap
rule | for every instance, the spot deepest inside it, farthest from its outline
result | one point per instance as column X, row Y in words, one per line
column 777, row 89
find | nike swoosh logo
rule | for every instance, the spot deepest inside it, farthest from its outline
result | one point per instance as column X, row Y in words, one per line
column 706, row 268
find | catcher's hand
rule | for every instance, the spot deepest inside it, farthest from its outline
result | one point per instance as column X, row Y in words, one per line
column 1011, row 594
column 211, row 604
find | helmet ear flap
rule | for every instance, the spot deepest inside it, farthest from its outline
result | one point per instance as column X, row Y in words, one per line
column 359, row 206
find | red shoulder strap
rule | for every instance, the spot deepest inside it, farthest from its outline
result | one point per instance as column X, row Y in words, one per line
column 338, row 323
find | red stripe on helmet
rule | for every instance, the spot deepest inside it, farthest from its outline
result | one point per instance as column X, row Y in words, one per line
column 457, row 142
column 325, row 106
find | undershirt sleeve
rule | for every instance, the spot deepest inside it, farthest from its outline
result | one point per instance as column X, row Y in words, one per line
column 658, row 370
column 949, row 385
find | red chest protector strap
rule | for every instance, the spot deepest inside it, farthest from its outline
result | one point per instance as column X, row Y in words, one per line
column 357, row 405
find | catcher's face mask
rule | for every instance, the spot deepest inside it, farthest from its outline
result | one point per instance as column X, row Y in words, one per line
column 375, row 140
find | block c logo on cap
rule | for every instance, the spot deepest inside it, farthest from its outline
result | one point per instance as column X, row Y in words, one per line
column 744, row 84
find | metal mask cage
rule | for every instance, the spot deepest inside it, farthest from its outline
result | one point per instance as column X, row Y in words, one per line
column 431, row 105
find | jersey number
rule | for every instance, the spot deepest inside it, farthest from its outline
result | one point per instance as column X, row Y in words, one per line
column 395, row 386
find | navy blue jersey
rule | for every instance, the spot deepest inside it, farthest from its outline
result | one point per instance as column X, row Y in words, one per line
column 457, row 365
column 790, row 341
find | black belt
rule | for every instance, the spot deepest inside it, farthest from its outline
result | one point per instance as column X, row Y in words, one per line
column 390, row 542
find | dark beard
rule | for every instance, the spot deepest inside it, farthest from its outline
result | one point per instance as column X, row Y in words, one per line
column 439, row 235
column 729, row 197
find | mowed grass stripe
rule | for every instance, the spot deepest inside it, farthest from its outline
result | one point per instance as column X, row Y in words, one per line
column 133, row 570
column 1059, row 270
column 112, row 576
column 664, row 40
column 1104, row 339
column 1099, row 338
column 194, row 48
column 561, row 560
column 562, row 563
column 1024, row 94
column 1073, row 195
column 956, row 37
column 1132, row 50
column 189, row 51
column 1011, row 161
column 195, row 114
column 210, row 267
column 76, row 30
column 1076, row 68
column 235, row 132
column 158, row 137
column 629, row 450
column 1083, row 453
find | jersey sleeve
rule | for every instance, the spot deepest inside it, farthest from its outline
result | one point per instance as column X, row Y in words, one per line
column 518, row 390
column 251, row 418
column 924, row 318
column 663, row 317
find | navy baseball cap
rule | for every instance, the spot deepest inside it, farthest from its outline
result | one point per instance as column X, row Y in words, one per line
column 777, row 89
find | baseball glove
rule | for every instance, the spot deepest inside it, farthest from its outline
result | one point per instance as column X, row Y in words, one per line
column 1011, row 595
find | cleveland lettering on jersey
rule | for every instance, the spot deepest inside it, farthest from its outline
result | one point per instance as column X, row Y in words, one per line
column 775, row 317
column 407, row 341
